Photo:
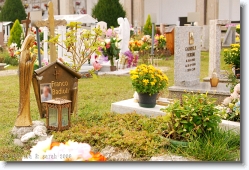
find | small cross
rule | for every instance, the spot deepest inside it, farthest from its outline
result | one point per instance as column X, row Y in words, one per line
column 56, row 73
column 27, row 22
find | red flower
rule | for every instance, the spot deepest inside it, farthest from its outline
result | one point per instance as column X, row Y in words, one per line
column 108, row 46
column 35, row 43
column 97, row 157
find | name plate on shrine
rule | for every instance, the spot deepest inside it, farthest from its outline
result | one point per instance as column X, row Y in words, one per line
column 55, row 81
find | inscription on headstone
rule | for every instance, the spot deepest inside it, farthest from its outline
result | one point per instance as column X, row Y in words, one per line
column 187, row 55
column 55, row 81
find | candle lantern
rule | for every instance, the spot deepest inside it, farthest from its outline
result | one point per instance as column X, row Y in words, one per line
column 58, row 114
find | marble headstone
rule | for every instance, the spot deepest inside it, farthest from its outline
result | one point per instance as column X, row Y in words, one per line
column 187, row 55
column 205, row 37
column 215, row 45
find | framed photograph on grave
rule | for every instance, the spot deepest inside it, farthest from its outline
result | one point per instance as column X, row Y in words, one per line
column 191, row 38
column 46, row 92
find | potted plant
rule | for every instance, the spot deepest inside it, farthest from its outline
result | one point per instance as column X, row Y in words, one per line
column 111, row 48
column 232, row 57
column 82, row 48
column 191, row 117
column 148, row 81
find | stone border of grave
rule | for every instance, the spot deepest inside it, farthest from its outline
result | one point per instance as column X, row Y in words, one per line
column 130, row 106
column 2, row 65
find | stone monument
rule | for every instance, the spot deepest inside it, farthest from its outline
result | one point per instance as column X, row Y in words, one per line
column 26, row 66
column 187, row 66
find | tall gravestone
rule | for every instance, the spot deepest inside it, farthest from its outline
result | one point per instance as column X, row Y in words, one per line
column 187, row 56
column 215, row 45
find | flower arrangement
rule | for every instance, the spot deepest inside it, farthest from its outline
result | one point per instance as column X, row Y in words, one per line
column 13, row 51
column 232, row 56
column 230, row 108
column 160, row 41
column 148, row 79
column 77, row 3
column 135, row 45
column 69, row 151
column 82, row 48
column 111, row 46
column 46, row 6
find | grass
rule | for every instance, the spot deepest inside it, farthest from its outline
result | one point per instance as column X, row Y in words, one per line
column 217, row 146
column 95, row 98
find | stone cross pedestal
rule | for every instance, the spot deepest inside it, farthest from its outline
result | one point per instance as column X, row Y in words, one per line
column 51, row 23
column 215, row 45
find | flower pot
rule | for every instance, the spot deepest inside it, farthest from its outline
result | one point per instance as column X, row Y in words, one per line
column 146, row 100
column 214, row 82
column 113, row 68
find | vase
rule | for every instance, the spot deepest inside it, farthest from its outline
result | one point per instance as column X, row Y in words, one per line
column 146, row 100
column 214, row 82
column 113, row 68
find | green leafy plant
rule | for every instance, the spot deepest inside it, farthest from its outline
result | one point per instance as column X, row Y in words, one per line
column 13, row 10
column 193, row 117
column 11, row 60
column 238, row 28
column 108, row 11
column 232, row 56
column 81, row 48
column 148, row 79
column 15, row 34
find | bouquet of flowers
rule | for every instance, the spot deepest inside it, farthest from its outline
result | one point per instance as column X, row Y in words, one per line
column 69, row 151
column 111, row 46
column 160, row 42
column 230, row 108
column 135, row 45
column 148, row 79
column 13, row 51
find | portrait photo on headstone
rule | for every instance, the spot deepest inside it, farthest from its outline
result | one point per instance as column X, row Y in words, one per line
column 46, row 92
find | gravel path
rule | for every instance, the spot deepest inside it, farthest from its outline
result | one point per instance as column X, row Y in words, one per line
column 8, row 72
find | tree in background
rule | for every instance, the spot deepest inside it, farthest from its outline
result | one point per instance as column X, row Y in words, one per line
column 108, row 11
column 15, row 34
column 148, row 26
column 12, row 10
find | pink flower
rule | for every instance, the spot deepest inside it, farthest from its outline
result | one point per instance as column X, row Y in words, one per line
column 97, row 66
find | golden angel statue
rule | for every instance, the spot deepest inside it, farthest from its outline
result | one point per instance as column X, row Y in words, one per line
column 26, row 67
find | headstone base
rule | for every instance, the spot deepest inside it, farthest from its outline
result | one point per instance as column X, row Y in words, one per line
column 131, row 106
column 220, row 92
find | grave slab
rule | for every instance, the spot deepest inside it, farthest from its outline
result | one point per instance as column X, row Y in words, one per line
column 130, row 106
column 220, row 92
column 230, row 125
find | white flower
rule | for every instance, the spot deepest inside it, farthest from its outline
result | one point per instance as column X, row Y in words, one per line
column 107, row 41
column 235, row 95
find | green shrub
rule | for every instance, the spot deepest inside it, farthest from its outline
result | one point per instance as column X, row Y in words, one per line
column 108, row 11
column 191, row 118
column 16, row 34
column 148, row 26
column 11, row 60
column 140, row 135
column 13, row 10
